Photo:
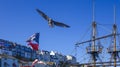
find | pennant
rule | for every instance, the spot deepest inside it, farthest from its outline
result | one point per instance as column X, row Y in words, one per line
column 34, row 45
column 33, row 41
column 34, row 37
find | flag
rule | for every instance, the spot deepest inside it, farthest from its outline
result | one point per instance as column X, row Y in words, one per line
column 33, row 41
column 33, row 45
column 34, row 37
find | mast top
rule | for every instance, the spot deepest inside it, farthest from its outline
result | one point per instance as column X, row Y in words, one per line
column 114, row 14
column 93, row 10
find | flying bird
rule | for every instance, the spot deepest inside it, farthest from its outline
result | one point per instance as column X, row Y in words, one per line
column 51, row 22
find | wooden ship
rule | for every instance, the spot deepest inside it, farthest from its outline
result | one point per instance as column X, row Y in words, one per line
column 95, row 47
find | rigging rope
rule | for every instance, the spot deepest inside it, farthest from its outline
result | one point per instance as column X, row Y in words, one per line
column 102, row 26
column 74, row 50
column 118, row 38
column 85, row 33
column 83, row 57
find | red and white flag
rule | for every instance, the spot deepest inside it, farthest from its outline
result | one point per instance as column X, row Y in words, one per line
column 33, row 41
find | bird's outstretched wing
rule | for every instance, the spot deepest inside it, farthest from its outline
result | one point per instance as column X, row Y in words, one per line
column 50, row 21
column 60, row 24
column 43, row 15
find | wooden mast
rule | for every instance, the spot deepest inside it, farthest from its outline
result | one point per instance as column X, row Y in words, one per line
column 93, row 33
column 114, row 36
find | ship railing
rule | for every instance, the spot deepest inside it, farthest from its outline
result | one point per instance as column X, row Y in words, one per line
column 98, row 49
column 111, row 49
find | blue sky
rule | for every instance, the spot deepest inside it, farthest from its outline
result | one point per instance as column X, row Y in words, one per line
column 19, row 20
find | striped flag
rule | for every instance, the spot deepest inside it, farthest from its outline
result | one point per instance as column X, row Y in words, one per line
column 34, row 37
column 33, row 41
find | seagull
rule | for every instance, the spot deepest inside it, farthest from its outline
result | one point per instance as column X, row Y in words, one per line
column 51, row 22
